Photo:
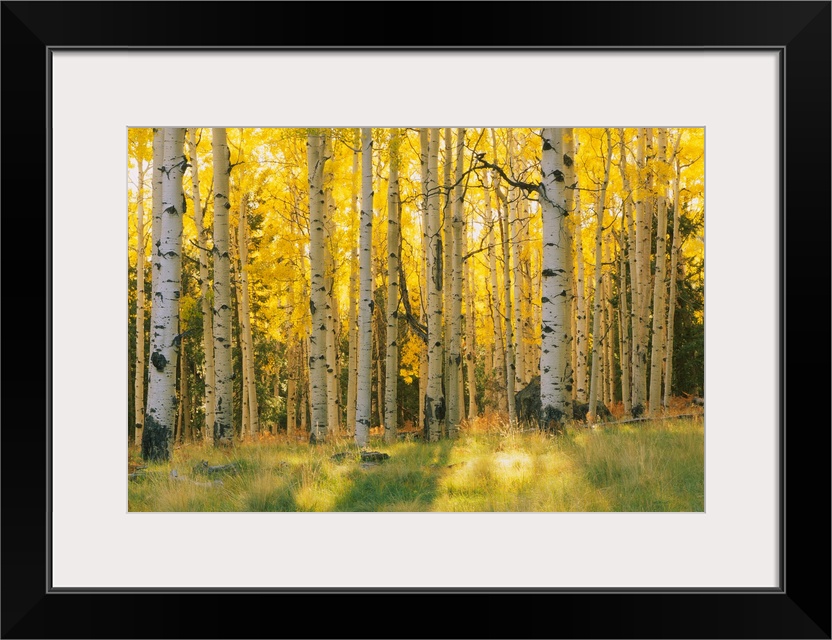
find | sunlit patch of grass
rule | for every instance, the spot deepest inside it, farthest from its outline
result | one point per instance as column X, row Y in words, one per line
column 645, row 467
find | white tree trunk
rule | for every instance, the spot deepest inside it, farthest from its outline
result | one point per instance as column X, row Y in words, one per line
column 597, row 341
column 393, row 241
column 498, row 352
column 317, row 307
column 659, row 285
column 140, row 303
column 671, row 303
column 223, row 428
column 470, row 326
column 353, row 294
column 640, row 296
column 204, row 284
column 456, row 399
column 510, row 371
column 582, row 316
column 434, row 398
column 251, row 387
column 161, row 414
column 567, row 259
column 332, row 382
column 555, row 397
column 624, row 324
column 365, row 306
column 292, row 366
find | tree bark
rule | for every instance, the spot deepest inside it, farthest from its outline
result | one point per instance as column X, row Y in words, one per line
column 164, row 348
column 204, row 284
column 434, row 397
column 251, row 387
column 366, row 303
column 582, row 317
column 353, row 295
column 597, row 340
column 223, row 428
column 317, row 306
column 659, row 285
column 393, row 242
column 332, row 383
column 140, row 303
column 555, row 396
column 671, row 303
column 456, row 399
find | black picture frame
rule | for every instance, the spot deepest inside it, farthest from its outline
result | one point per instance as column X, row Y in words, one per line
column 799, row 608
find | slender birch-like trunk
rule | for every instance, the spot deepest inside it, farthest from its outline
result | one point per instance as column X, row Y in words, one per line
column 447, row 271
column 597, row 341
column 629, row 227
column 160, row 418
column 498, row 357
column 423, row 287
column 434, row 397
column 204, row 284
column 671, row 303
column 251, row 387
column 156, row 232
column 609, row 335
column 567, row 259
column 138, row 389
column 470, row 327
column 393, row 242
column 241, row 343
column 223, row 428
column 317, row 306
column 642, row 280
column 555, row 396
column 366, row 304
column 515, row 226
column 292, row 388
column 502, row 217
column 353, row 295
column 454, row 318
column 183, row 431
column 332, row 383
column 624, row 323
column 582, row 316
column 659, row 285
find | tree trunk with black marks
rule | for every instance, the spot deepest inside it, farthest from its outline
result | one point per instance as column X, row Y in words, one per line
column 160, row 418
column 456, row 397
column 245, row 325
column 659, row 284
column 674, row 265
column 555, row 397
column 595, row 380
column 470, row 327
column 223, row 428
column 434, row 397
column 204, row 284
column 393, row 241
column 581, row 318
column 138, row 389
column 332, row 383
column 366, row 304
column 317, row 302
column 353, row 295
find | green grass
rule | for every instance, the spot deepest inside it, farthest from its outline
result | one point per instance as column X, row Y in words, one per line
column 650, row 467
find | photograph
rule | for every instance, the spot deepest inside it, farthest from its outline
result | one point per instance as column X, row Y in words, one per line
column 413, row 319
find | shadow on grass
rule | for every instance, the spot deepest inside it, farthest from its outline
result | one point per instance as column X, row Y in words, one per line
column 407, row 482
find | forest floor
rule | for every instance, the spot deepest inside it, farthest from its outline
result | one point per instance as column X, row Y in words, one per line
column 639, row 467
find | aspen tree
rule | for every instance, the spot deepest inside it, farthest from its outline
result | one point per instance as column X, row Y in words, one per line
column 674, row 265
column 595, row 380
column 331, row 316
column 434, row 397
column 245, row 324
column 138, row 389
column 582, row 316
column 223, row 428
column 454, row 317
column 204, row 284
column 555, row 397
column 470, row 328
column 393, row 242
column 161, row 413
column 366, row 304
column 317, row 305
column 659, row 285
column 515, row 226
column 353, row 294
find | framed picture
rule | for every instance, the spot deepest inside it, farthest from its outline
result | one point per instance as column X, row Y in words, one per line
column 754, row 75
